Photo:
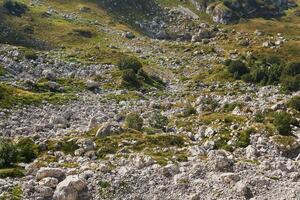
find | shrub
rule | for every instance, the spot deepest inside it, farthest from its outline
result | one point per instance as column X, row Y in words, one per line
column 292, row 69
column 229, row 107
column 27, row 150
column 130, row 79
column 295, row 103
column 15, row 8
column 83, row 33
column 259, row 117
column 8, row 153
column 68, row 147
column 291, row 83
column 30, row 55
column 130, row 63
column 2, row 70
column 243, row 139
column 238, row 68
column 189, row 110
column 134, row 121
column 283, row 121
column 159, row 121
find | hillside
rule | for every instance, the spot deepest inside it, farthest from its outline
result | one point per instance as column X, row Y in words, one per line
column 149, row 99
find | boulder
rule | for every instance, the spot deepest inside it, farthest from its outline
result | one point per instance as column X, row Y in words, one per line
column 49, row 182
column 49, row 74
column 243, row 190
column 108, row 128
column 50, row 172
column 128, row 35
column 219, row 161
column 70, row 188
column 44, row 191
column 59, row 121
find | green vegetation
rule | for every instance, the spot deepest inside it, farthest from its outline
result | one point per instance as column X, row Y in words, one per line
column 12, row 172
column 30, row 54
column 294, row 103
column 2, row 70
column 283, row 121
column 238, row 68
column 147, row 143
column 229, row 107
column 8, row 153
column 134, row 77
column 189, row 110
column 24, row 150
column 15, row 8
column 134, row 121
column 11, row 96
column 27, row 150
column 14, row 193
column 130, row 63
column 266, row 70
column 259, row 117
column 243, row 139
column 68, row 146
column 158, row 121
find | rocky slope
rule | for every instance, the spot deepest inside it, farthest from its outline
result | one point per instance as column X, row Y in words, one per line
column 148, row 100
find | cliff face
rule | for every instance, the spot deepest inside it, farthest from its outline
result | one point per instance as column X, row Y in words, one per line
column 227, row 11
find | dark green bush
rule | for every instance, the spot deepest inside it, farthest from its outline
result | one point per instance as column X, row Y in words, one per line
column 8, row 153
column 266, row 70
column 294, row 103
column 238, row 68
column 30, row 55
column 15, row 8
column 291, row 83
column 83, row 33
column 243, row 139
column 27, row 150
column 259, row 117
column 189, row 110
column 130, row 79
column 159, row 121
column 69, row 147
column 292, row 69
column 283, row 121
column 130, row 63
column 2, row 70
column 134, row 121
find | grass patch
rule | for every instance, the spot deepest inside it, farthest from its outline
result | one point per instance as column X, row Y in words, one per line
column 138, row 142
column 12, row 172
column 14, row 193
column 11, row 96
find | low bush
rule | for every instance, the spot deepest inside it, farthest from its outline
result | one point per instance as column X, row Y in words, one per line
column 159, row 121
column 266, row 70
column 134, row 121
column 2, row 70
column 83, row 33
column 15, row 8
column 8, row 153
column 130, row 63
column 27, row 150
column 283, row 121
column 30, row 55
column 237, row 68
column 189, row 110
column 294, row 103
column 259, row 117
column 130, row 79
